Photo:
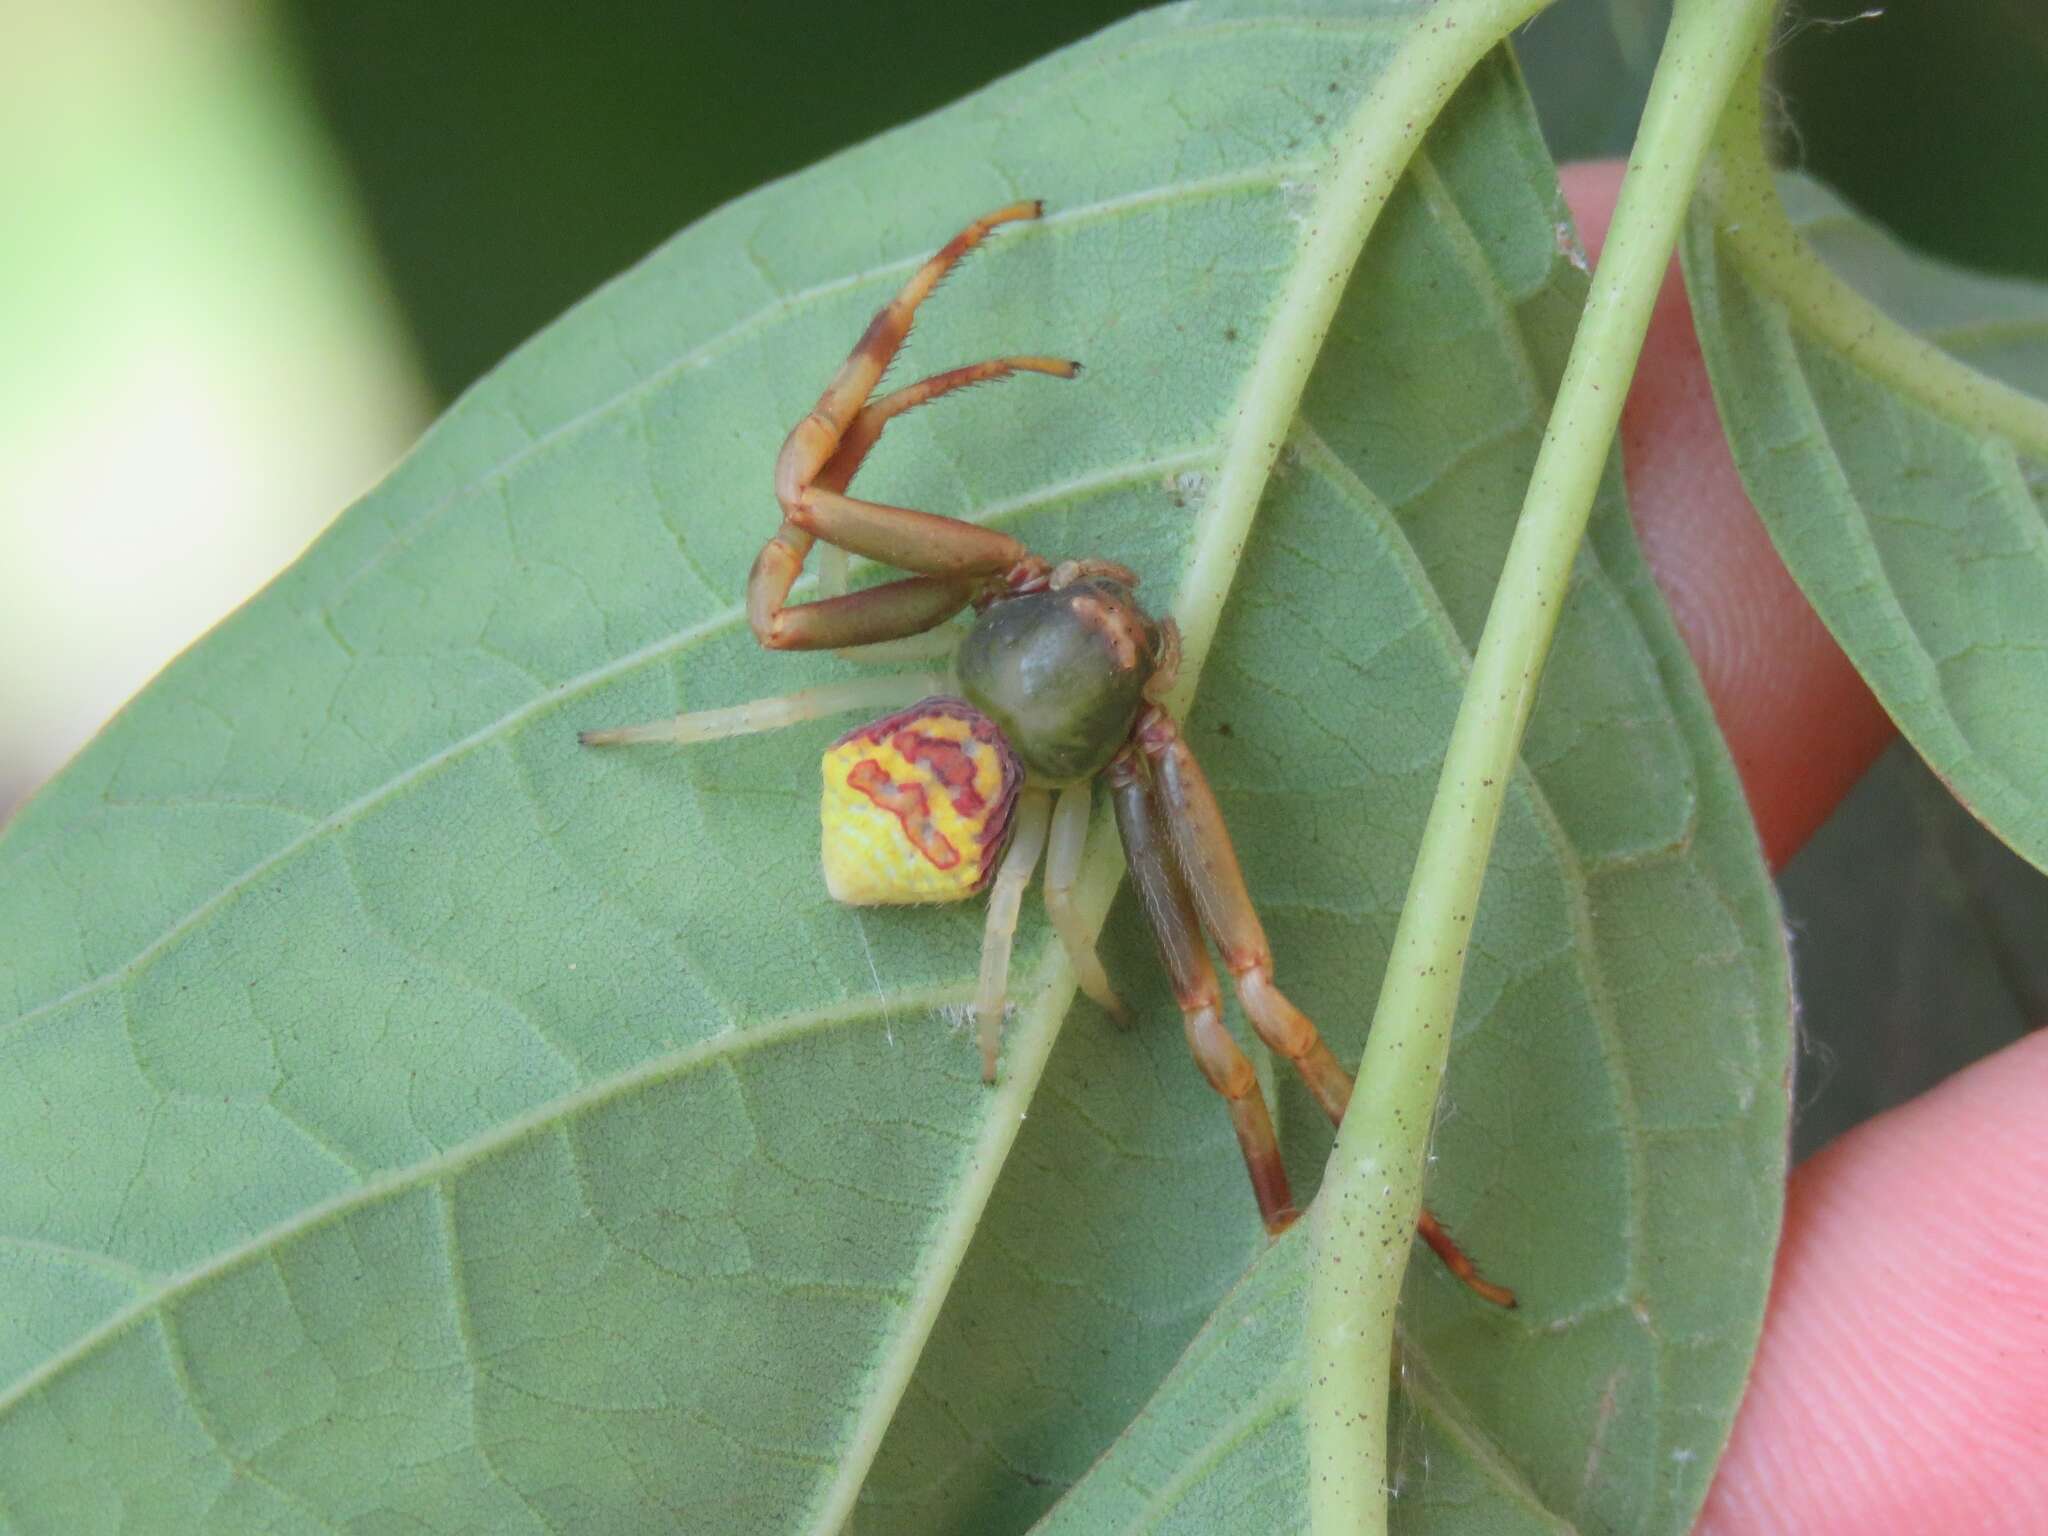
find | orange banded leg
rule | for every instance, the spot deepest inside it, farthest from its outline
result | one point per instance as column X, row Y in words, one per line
column 888, row 612
column 894, row 609
column 901, row 536
column 1179, row 937
column 817, row 462
column 863, row 431
column 862, row 434
column 1455, row 1260
column 1202, row 845
column 815, row 439
column 928, row 542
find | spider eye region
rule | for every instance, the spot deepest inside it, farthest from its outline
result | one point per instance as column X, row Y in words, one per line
column 917, row 806
column 1062, row 673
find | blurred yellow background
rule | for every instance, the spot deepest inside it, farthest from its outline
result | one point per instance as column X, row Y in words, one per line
column 199, row 361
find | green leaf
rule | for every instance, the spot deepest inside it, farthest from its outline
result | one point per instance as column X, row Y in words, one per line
column 1372, row 1193
column 1906, row 910
column 412, row 1121
column 1602, row 1404
column 1904, row 486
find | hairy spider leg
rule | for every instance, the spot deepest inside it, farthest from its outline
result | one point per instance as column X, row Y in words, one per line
column 810, row 479
column 1006, row 897
column 888, row 693
column 861, row 435
column 1454, row 1258
column 1202, row 848
column 866, row 428
column 1202, row 844
column 1171, row 913
column 815, row 439
column 1062, row 866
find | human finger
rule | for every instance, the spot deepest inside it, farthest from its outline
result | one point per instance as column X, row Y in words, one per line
column 1902, row 1383
column 1800, row 723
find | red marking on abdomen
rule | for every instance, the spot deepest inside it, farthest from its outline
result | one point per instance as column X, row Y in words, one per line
column 906, row 802
column 950, row 763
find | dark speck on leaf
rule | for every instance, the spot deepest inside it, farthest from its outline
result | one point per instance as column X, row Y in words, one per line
column 1223, row 728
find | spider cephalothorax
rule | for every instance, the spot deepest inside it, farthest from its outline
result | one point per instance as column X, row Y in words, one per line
column 1059, row 680
column 1062, row 670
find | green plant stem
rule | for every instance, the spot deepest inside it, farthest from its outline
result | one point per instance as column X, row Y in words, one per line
column 1740, row 192
column 1445, row 46
column 1364, row 1218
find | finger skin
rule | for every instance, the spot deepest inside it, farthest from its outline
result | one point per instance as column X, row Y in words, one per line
column 1902, row 1381
column 1800, row 723
column 1902, row 1385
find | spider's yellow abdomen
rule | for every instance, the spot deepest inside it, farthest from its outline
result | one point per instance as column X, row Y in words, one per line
column 917, row 805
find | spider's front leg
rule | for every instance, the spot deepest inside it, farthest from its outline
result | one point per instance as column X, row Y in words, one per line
column 818, row 462
column 1202, row 850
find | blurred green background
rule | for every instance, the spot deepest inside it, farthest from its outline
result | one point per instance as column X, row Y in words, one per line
column 510, row 157
column 252, row 248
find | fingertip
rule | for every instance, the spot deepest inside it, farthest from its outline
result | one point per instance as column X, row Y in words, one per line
column 1902, row 1382
column 1800, row 723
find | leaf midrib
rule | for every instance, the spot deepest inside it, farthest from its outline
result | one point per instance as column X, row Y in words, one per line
column 1765, row 244
column 1366, row 157
column 1577, row 877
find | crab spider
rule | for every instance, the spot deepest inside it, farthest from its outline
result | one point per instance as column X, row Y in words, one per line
column 959, row 788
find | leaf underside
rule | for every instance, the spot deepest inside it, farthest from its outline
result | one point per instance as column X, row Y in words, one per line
column 1917, row 530
column 414, row 1122
column 1630, row 1186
